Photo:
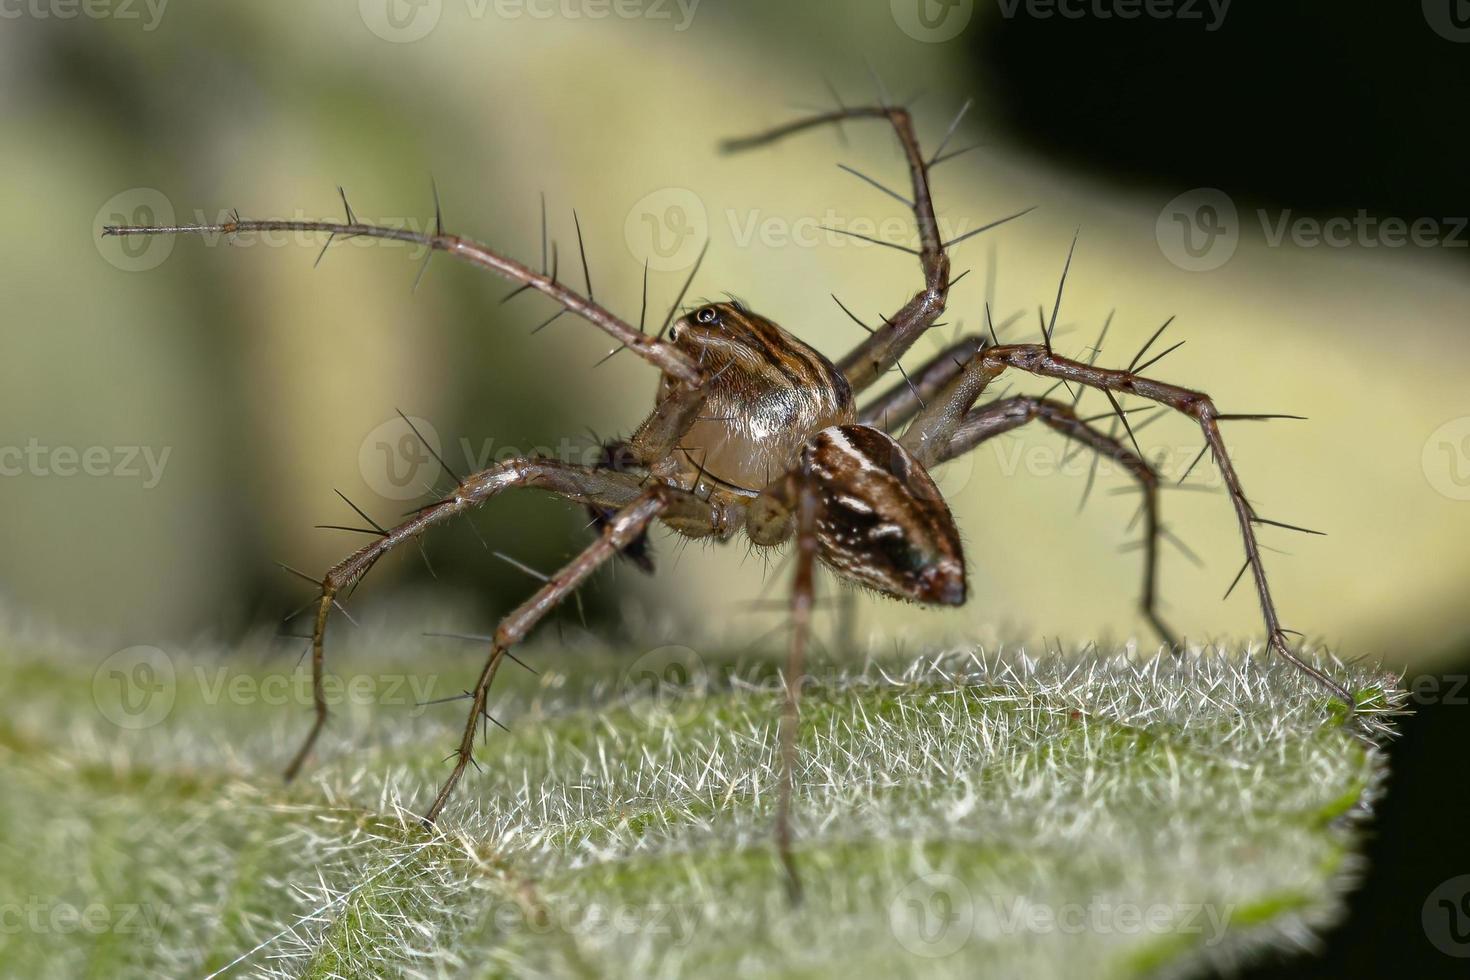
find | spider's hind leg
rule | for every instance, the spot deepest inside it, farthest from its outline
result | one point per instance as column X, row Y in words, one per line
column 988, row 421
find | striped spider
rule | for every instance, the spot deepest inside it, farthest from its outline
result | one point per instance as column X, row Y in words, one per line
column 755, row 432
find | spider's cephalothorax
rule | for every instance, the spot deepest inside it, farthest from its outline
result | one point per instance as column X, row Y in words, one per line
column 767, row 394
column 754, row 430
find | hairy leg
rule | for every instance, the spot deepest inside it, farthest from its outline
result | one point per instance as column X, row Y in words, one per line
column 802, row 586
column 903, row 401
column 876, row 355
column 621, row 529
column 989, row 421
column 652, row 349
column 931, row 433
column 602, row 488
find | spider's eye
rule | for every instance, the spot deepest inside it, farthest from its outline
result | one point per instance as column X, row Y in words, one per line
column 706, row 314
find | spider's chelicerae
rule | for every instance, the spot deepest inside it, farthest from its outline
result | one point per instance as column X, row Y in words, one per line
column 755, row 432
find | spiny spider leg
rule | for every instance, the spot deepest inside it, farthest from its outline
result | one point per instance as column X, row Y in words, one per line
column 933, row 431
column 620, row 530
column 666, row 357
column 878, row 354
column 604, row 488
column 995, row 418
column 802, row 589
column 901, row 402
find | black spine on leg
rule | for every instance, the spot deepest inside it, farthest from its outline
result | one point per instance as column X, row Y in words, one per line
column 617, row 456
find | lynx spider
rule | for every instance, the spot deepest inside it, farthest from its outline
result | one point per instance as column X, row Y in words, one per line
column 741, row 399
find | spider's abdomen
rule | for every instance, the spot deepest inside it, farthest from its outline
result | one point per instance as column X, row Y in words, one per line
column 881, row 520
column 768, row 394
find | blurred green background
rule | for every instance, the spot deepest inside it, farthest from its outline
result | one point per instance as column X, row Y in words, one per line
column 254, row 384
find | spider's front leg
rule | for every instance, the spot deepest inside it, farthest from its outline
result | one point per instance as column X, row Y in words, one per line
column 881, row 351
column 620, row 530
column 580, row 483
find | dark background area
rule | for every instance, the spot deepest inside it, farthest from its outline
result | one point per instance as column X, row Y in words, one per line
column 1316, row 107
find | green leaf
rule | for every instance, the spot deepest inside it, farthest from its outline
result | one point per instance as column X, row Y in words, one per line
column 1100, row 816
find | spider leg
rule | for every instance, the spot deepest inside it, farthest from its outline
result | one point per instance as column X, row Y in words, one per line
column 623, row 528
column 580, row 483
column 802, row 586
column 904, row 400
column 881, row 350
column 933, row 430
column 991, row 420
column 664, row 356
